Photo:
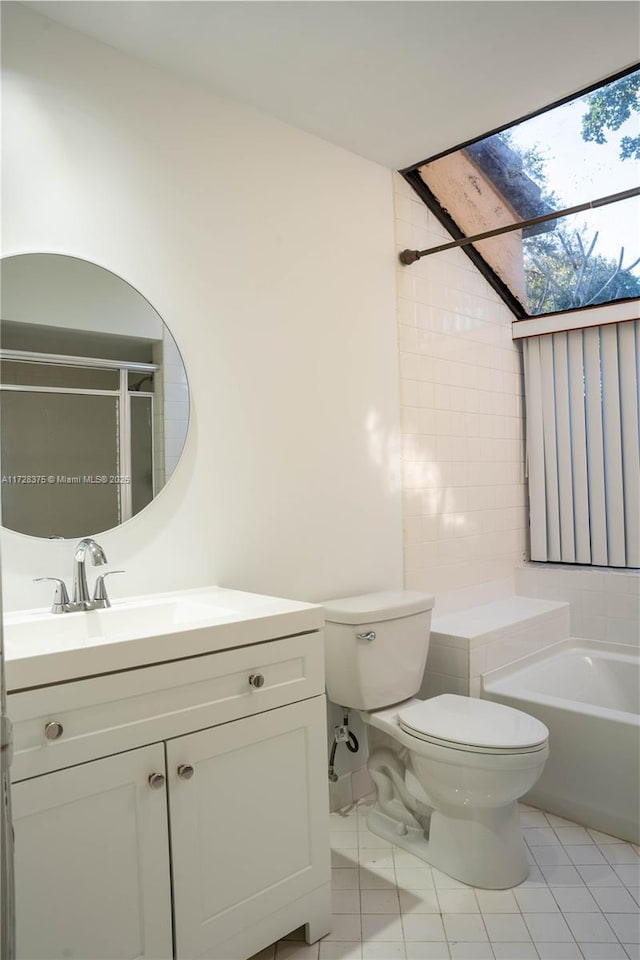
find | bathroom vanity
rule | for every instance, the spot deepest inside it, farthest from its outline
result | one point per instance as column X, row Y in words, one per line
column 169, row 777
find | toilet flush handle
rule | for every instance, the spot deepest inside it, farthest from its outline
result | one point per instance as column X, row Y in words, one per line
column 366, row 636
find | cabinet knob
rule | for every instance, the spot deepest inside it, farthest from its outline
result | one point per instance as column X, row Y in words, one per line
column 156, row 780
column 185, row 771
column 53, row 730
column 256, row 680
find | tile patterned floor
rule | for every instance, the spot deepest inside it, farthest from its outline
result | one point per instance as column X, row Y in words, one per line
column 581, row 900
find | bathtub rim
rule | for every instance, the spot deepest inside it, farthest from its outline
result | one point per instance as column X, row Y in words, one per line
column 493, row 680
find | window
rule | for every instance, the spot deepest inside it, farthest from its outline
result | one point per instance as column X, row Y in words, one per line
column 582, row 403
column 575, row 153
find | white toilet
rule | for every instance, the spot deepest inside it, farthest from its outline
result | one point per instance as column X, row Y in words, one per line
column 447, row 771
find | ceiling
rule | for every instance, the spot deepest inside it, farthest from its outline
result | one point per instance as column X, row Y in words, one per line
column 395, row 82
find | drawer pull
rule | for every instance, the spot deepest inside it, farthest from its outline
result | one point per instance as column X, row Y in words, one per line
column 185, row 771
column 156, row 780
column 53, row 730
column 256, row 680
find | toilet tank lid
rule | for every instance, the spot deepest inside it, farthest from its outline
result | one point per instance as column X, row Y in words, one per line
column 374, row 607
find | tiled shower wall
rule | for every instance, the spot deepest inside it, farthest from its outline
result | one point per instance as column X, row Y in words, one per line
column 605, row 603
column 462, row 421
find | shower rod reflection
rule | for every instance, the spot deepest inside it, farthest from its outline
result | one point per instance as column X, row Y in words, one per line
column 410, row 256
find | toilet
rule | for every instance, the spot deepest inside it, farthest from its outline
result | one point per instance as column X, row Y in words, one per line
column 448, row 771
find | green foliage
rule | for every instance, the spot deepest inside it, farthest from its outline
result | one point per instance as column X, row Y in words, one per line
column 564, row 272
column 608, row 108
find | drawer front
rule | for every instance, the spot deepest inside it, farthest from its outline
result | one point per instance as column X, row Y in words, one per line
column 71, row 723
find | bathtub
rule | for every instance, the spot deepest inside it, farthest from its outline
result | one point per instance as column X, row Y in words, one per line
column 587, row 692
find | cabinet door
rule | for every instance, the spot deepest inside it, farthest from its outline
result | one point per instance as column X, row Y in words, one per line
column 92, row 861
column 249, row 828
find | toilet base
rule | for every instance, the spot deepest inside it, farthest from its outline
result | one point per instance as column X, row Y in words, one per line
column 481, row 847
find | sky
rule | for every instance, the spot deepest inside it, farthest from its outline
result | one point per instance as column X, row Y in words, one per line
column 579, row 171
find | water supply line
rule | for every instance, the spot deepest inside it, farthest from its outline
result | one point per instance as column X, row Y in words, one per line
column 342, row 734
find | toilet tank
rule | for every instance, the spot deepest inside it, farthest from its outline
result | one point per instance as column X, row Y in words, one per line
column 365, row 672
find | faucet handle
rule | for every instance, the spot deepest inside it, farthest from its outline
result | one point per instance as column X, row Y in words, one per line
column 61, row 597
column 100, row 589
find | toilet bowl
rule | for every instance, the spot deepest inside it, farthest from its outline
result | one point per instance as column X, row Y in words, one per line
column 448, row 771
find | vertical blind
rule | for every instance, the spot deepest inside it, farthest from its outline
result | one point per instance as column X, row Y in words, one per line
column 583, row 448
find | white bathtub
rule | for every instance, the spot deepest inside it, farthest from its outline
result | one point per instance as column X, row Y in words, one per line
column 588, row 694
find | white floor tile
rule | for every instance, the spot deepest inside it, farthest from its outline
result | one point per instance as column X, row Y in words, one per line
column 515, row 951
column 540, row 836
column 505, row 927
column 619, row 853
column 533, row 818
column 583, row 854
column 581, row 901
column 551, row 856
column 377, row 857
column 458, row 901
column 344, row 879
column 377, row 878
column 417, row 950
column 345, row 926
column 603, row 951
column 573, row 835
column 559, row 951
column 464, row 926
column 547, row 927
column 600, row 837
column 345, row 901
column 600, row 875
column 614, row 900
column 496, row 901
column 369, row 841
column 423, row 927
column 392, row 950
column 382, row 927
column 471, row 951
column 626, row 926
column 590, row 927
column 561, row 875
column 379, row 901
column 344, row 858
column 536, row 901
column 629, row 873
column 334, row 950
column 575, row 900
column 403, row 858
column 419, row 901
column 410, row 879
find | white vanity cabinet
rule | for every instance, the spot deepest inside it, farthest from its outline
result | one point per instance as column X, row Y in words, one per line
column 92, row 861
column 182, row 810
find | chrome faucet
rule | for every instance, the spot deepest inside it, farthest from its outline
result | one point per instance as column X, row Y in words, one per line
column 82, row 600
column 86, row 547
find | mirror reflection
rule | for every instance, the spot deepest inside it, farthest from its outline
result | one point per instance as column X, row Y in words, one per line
column 94, row 397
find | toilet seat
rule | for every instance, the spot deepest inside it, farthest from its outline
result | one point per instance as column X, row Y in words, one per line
column 473, row 725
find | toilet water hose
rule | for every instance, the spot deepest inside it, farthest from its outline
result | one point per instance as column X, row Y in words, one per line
column 342, row 734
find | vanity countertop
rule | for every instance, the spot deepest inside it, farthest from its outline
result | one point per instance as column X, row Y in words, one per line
column 42, row 648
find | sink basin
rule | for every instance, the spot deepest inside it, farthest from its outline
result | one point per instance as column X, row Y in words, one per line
column 41, row 647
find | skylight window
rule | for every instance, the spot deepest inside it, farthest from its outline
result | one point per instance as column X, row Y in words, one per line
column 575, row 153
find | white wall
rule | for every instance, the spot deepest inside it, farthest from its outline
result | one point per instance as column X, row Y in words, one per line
column 269, row 253
column 462, row 422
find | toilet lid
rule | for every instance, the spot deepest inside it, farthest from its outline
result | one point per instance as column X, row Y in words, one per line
column 472, row 723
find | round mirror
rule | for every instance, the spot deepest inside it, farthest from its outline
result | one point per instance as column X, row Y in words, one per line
column 93, row 393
